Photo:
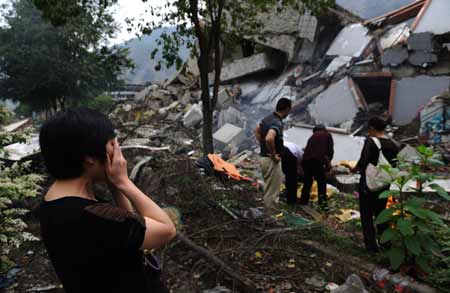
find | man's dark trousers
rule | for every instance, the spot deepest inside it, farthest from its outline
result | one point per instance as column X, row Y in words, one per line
column 314, row 169
column 289, row 166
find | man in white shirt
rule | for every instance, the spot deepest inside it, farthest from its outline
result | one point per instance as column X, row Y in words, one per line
column 290, row 161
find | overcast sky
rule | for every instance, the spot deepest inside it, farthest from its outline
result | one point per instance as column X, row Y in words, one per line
column 126, row 9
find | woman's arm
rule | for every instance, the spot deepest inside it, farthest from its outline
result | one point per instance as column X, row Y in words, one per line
column 160, row 229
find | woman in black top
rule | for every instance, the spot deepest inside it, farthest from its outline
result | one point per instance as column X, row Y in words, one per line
column 370, row 205
column 94, row 246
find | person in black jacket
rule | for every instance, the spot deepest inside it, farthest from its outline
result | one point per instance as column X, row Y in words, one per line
column 317, row 158
column 370, row 205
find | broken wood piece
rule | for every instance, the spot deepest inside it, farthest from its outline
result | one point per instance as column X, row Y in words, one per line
column 143, row 147
column 228, row 211
column 138, row 167
column 249, row 285
column 293, row 229
column 313, row 213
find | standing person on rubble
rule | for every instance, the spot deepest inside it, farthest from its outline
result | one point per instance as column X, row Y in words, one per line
column 95, row 246
column 269, row 133
column 316, row 163
column 291, row 159
column 370, row 205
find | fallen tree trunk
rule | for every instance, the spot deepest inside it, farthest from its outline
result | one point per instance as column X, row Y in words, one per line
column 246, row 282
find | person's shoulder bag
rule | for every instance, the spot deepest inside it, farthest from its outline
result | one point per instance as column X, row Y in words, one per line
column 377, row 178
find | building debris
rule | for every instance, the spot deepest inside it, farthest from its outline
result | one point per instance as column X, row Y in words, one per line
column 194, row 116
column 17, row 126
column 415, row 92
column 394, row 56
column 341, row 98
column 228, row 135
column 21, row 151
column 435, row 18
column 352, row 41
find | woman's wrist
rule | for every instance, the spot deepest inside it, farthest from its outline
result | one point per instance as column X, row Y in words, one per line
column 124, row 185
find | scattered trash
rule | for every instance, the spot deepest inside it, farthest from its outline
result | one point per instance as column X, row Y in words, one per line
column 316, row 281
column 352, row 285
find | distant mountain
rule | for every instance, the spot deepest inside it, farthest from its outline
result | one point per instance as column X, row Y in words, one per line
column 140, row 53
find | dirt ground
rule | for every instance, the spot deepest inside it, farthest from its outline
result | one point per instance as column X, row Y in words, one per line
column 272, row 262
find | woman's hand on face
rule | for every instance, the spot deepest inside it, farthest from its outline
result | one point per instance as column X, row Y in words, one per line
column 116, row 165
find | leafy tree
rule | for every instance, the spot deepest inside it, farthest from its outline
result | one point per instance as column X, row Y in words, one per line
column 202, row 24
column 51, row 67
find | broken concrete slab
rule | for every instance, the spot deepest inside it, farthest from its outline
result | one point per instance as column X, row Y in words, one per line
column 421, row 42
column 351, row 41
column 339, row 97
column 415, row 92
column 228, row 135
column 285, row 43
column 435, row 18
column 246, row 66
column 393, row 36
column 16, row 126
column 422, row 58
column 394, row 56
column 21, row 151
column 307, row 26
column 346, row 147
column 337, row 64
column 194, row 116
column 224, row 100
column 232, row 116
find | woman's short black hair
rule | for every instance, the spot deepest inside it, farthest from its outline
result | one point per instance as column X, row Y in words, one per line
column 284, row 104
column 377, row 123
column 72, row 135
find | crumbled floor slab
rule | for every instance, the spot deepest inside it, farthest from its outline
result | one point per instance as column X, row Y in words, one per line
column 351, row 41
column 340, row 98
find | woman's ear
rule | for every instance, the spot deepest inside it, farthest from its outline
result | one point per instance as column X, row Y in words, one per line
column 89, row 161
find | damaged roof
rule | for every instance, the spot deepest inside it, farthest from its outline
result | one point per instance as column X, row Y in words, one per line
column 435, row 18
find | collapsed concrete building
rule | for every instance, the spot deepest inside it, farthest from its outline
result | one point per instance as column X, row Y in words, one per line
column 386, row 58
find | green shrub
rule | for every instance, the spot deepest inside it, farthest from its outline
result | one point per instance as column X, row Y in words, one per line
column 413, row 227
column 16, row 185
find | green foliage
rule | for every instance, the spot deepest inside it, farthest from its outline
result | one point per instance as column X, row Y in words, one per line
column 16, row 185
column 47, row 67
column 100, row 103
column 440, row 276
column 412, row 233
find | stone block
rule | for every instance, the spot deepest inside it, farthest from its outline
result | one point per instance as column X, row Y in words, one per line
column 228, row 135
column 194, row 116
column 232, row 116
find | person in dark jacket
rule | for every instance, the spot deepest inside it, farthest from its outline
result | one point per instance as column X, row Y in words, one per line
column 370, row 205
column 317, row 158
